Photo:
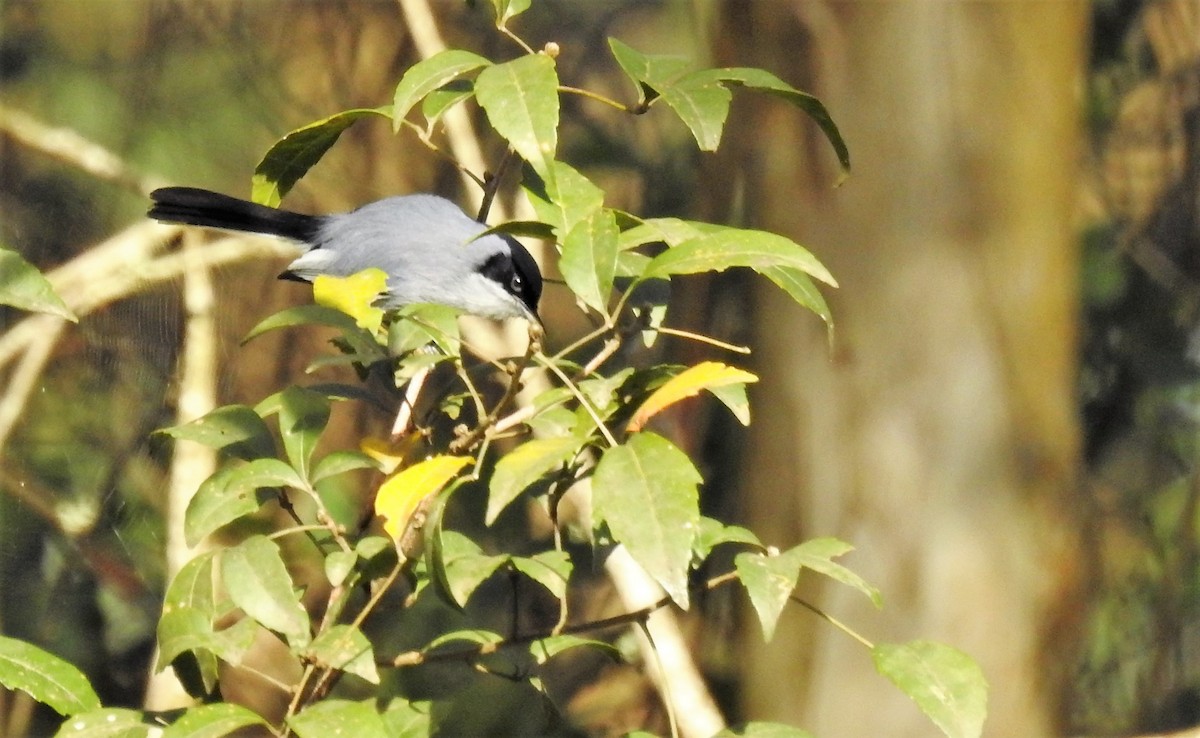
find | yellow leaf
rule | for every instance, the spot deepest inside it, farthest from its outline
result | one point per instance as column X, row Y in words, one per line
column 353, row 295
column 388, row 454
column 401, row 493
column 690, row 382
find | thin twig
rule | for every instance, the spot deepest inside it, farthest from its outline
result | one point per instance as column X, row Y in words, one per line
column 574, row 390
column 832, row 621
column 597, row 97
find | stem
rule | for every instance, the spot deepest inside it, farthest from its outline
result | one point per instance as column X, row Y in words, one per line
column 832, row 621
column 597, row 97
column 703, row 339
column 574, row 390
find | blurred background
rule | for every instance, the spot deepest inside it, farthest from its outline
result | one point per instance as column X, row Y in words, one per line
column 1005, row 424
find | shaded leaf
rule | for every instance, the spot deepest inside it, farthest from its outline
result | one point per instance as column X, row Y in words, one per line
column 430, row 74
column 524, row 465
column 212, row 721
column 292, row 156
column 733, row 396
column 233, row 492
column 237, row 429
column 192, row 586
column 303, row 315
column 520, row 98
column 338, row 566
column 344, row 647
column 45, row 677
column 645, row 491
column 800, row 288
column 714, row 533
column 436, row 103
column 340, row 462
column 354, row 295
column 703, row 376
column 506, row 10
column 945, row 683
column 763, row 730
column 23, row 286
column 464, row 566
column 551, row 569
column 258, row 582
column 399, row 496
column 545, row 649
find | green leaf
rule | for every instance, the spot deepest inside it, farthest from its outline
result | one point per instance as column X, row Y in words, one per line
column 707, row 375
column 436, row 103
column 818, row 555
column 547, row 648
column 406, row 719
column 430, row 74
column 801, row 289
column 645, row 491
column 303, row 415
column 185, row 631
column 344, row 647
column 258, row 582
column 333, row 717
column 233, row 492
column 465, row 565
column 340, row 462
column 733, row 396
column 648, row 72
column 764, row 81
column 24, row 287
column 551, row 569
column 237, row 429
column 763, row 730
column 292, row 156
column 419, row 325
column 735, row 247
column 476, row 636
column 524, row 465
column 589, row 259
column 769, row 580
column 945, row 683
column 338, row 566
column 45, row 677
column 193, row 586
column 212, row 721
column 714, row 533
column 304, row 315
column 702, row 103
column 106, row 722
column 506, row 10
column 565, row 199
column 520, row 98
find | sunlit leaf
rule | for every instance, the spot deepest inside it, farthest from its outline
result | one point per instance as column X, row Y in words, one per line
column 945, row 683
column 800, row 288
column 430, row 74
column 354, row 295
column 733, row 396
column 714, row 533
column 702, row 104
column 422, row 324
column 703, row 376
column 769, row 580
column 506, row 10
column 24, row 287
column 337, row 717
column 520, row 98
column 303, row 315
column 589, row 259
column 303, row 414
column 400, row 495
column 646, row 492
column 344, row 647
column 192, row 586
column 258, row 582
column 386, row 454
column 106, row 722
column 648, row 72
column 292, row 156
column 764, row 81
column 818, row 555
column 524, row 465
column 735, row 247
column 212, row 721
column 237, row 429
column 233, row 492
column 436, row 103
column 338, row 566
column 45, row 677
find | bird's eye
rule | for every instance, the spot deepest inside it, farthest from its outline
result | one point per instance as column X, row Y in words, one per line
column 516, row 284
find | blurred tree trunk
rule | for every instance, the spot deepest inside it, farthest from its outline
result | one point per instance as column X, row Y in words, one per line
column 941, row 437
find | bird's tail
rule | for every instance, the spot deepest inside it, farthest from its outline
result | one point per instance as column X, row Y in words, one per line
column 194, row 206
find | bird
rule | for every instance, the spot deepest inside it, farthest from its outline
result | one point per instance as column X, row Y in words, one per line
column 430, row 250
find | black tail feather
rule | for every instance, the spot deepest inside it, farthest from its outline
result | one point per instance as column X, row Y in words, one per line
column 194, row 206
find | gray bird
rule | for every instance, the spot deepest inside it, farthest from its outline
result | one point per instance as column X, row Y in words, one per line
column 426, row 245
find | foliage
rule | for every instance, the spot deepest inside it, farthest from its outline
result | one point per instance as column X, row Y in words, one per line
column 375, row 663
